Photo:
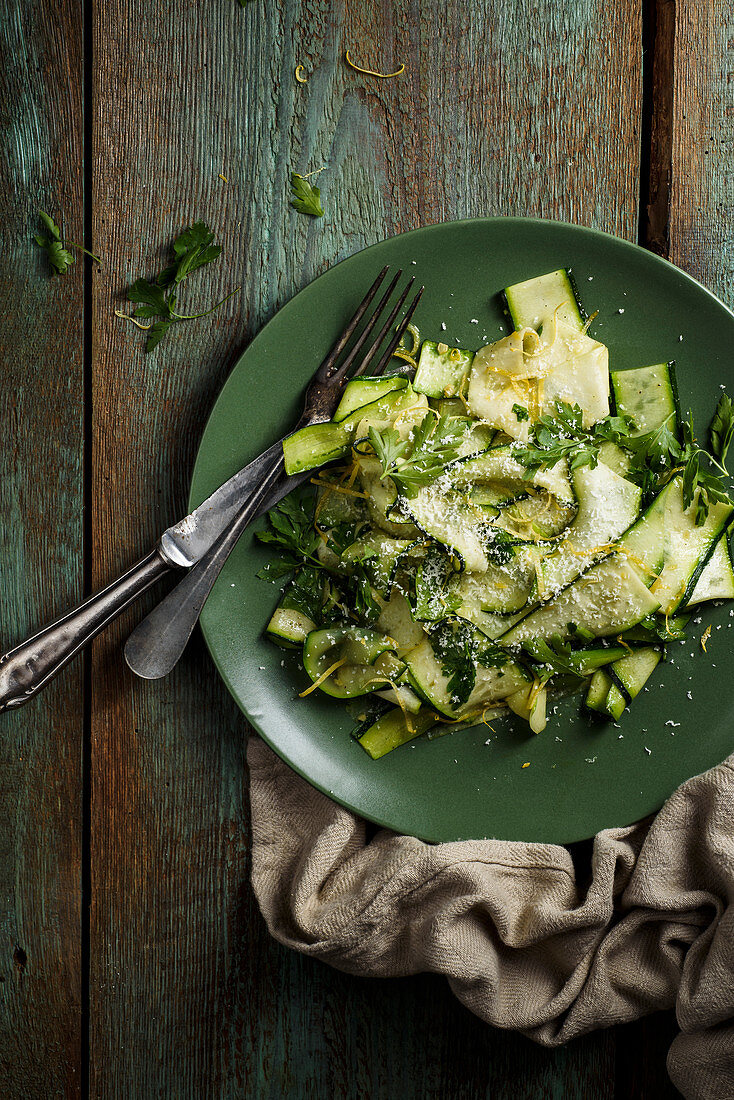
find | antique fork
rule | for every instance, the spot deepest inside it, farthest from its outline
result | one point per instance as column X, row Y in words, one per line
column 202, row 541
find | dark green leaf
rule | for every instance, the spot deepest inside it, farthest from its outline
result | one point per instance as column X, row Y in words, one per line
column 722, row 428
column 520, row 412
column 157, row 297
column 151, row 295
column 156, row 333
column 195, row 236
column 306, row 198
column 455, row 647
column 59, row 257
column 50, row 224
column 419, row 460
column 291, row 526
column 307, row 591
column 459, row 648
column 56, row 249
column 690, row 480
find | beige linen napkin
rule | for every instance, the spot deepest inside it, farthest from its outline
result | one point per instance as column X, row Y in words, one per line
column 523, row 944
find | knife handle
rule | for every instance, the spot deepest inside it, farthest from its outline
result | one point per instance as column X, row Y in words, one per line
column 29, row 667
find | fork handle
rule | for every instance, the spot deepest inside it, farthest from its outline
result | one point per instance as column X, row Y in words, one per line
column 29, row 667
column 156, row 644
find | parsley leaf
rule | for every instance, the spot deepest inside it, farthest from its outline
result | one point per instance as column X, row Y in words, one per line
column 554, row 438
column 459, row 649
column 553, row 657
column 654, row 455
column 704, row 480
column 291, row 527
column 434, row 443
column 520, row 412
column 306, row 591
column 192, row 249
column 57, row 249
column 306, row 198
column 358, row 591
column 722, row 428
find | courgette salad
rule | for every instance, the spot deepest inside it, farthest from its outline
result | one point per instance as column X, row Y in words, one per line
column 494, row 529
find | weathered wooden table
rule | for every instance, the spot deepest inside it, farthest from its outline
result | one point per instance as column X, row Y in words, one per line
column 133, row 960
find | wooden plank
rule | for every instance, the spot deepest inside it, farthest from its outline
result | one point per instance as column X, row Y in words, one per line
column 702, row 195
column 41, row 501
column 692, row 197
column 526, row 109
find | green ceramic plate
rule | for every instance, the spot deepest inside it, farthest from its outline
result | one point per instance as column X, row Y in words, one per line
column 582, row 776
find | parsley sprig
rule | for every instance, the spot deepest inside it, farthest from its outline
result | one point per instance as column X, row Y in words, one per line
column 656, row 455
column 306, row 197
column 56, row 247
column 192, row 249
column 292, row 529
column 554, row 438
column 415, row 462
column 709, row 484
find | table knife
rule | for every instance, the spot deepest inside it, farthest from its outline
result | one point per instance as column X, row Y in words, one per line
column 28, row 667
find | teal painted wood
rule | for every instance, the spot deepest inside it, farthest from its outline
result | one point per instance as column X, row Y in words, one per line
column 41, row 414
column 504, row 108
column 702, row 195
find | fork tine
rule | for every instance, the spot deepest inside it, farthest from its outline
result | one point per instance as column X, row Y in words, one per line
column 397, row 335
column 388, row 353
column 323, row 374
column 338, row 375
column 386, row 328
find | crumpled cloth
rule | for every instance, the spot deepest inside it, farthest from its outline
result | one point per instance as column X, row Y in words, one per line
column 524, row 944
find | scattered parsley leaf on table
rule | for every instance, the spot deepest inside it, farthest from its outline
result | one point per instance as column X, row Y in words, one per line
column 192, row 249
column 306, row 198
column 57, row 249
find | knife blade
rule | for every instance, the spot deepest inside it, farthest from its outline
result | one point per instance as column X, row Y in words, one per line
column 183, row 544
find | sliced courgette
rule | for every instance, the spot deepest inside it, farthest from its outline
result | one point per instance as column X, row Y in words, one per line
column 607, row 505
column 632, row 672
column 534, row 302
column 289, row 628
column 360, row 392
column 529, row 703
column 441, row 373
column 392, row 730
column 596, row 696
column 428, row 679
column 687, row 548
column 352, row 652
column 314, row 446
column 648, row 396
column 717, row 578
column 498, row 465
column 397, row 622
column 607, row 599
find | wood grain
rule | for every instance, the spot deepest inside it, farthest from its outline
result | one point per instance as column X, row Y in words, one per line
column 41, row 417
column 189, row 997
column 702, row 194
